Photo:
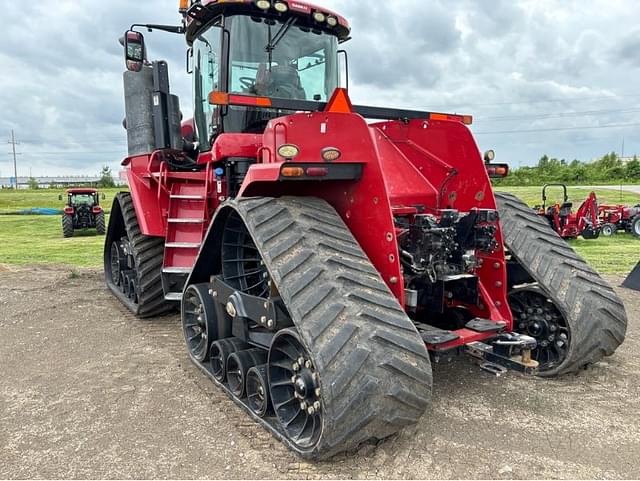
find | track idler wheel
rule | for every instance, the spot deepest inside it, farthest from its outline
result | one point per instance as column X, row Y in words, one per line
column 199, row 321
column 295, row 391
column 238, row 365
column 220, row 352
column 257, row 390
column 536, row 315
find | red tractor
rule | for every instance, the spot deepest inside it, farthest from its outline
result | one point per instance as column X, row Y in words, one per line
column 321, row 261
column 614, row 218
column 82, row 211
column 567, row 223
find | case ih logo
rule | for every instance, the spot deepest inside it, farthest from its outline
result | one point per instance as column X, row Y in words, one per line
column 299, row 7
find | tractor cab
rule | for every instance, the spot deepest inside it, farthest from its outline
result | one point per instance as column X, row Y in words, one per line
column 258, row 50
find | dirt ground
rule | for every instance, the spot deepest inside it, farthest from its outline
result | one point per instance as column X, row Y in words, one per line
column 86, row 391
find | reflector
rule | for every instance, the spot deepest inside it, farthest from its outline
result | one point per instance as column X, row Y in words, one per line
column 340, row 102
column 292, row 172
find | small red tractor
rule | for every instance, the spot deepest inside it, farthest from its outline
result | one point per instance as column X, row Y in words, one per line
column 82, row 211
column 615, row 218
column 567, row 223
column 321, row 261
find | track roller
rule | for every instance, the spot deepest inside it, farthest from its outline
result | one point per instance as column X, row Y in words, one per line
column 257, row 390
column 220, row 352
column 238, row 364
column 199, row 321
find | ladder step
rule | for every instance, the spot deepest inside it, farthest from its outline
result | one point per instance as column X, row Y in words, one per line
column 183, row 245
column 173, row 296
column 176, row 270
column 187, row 197
column 186, row 221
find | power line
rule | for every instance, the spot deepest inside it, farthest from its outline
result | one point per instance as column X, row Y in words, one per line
column 559, row 115
column 559, row 129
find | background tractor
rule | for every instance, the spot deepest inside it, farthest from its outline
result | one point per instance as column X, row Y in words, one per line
column 614, row 218
column 82, row 211
column 322, row 261
column 567, row 223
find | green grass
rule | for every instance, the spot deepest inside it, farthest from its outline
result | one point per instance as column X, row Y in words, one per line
column 38, row 239
column 12, row 200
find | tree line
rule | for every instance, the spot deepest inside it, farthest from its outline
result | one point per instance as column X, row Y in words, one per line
column 610, row 169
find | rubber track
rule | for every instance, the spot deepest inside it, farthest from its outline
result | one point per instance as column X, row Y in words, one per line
column 596, row 316
column 148, row 254
column 374, row 367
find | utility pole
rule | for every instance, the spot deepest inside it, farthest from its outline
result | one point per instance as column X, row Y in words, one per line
column 15, row 162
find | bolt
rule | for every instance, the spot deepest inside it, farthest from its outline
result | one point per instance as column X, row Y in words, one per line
column 308, row 364
column 231, row 309
column 266, row 305
column 293, row 379
column 317, row 392
column 303, row 406
column 311, row 411
column 270, row 323
column 496, row 265
column 530, row 310
column 263, row 320
column 498, row 304
column 211, row 292
column 551, row 338
column 199, row 318
column 544, row 344
column 296, row 367
column 301, row 361
column 499, row 284
column 393, row 280
column 553, row 327
column 317, row 406
column 522, row 325
column 539, row 311
column 215, row 294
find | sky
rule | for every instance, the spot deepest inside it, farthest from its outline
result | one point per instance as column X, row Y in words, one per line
column 539, row 76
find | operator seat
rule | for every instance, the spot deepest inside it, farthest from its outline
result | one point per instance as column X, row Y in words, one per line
column 283, row 81
column 565, row 209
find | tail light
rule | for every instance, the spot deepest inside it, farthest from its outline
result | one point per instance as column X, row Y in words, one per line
column 97, row 210
column 497, row 171
column 317, row 171
column 68, row 210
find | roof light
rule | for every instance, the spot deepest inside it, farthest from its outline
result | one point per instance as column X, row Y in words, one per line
column 498, row 171
column 489, row 156
column 263, row 4
column 288, row 151
column 184, row 6
column 332, row 21
column 281, row 7
column 319, row 17
column 329, row 154
column 293, row 172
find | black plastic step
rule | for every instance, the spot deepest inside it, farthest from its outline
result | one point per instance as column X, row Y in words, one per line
column 485, row 325
column 434, row 336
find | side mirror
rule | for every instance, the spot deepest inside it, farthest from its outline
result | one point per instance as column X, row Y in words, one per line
column 134, row 50
column 60, row 197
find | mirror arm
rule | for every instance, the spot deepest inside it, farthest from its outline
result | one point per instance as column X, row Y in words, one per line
column 164, row 28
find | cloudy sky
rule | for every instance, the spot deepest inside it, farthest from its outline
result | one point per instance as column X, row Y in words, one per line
column 539, row 76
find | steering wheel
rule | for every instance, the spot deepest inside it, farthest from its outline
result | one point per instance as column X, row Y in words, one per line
column 247, row 82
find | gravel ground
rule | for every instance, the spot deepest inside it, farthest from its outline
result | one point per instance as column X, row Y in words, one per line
column 87, row 391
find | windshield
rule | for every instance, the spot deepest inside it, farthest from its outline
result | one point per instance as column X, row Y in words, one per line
column 77, row 199
column 270, row 58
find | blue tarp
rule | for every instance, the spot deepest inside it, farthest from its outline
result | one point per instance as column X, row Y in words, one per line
column 36, row 211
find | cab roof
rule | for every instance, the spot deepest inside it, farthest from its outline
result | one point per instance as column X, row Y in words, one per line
column 202, row 12
column 82, row 191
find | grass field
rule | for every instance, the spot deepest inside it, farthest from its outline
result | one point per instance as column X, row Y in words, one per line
column 11, row 200
column 38, row 239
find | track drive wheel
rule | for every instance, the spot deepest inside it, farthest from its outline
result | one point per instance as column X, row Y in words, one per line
column 67, row 225
column 574, row 314
column 348, row 365
column 101, row 226
column 126, row 248
column 199, row 320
